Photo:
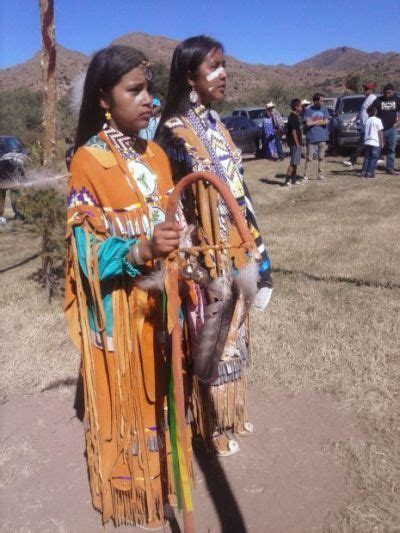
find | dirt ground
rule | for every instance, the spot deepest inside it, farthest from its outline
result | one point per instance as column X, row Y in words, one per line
column 284, row 479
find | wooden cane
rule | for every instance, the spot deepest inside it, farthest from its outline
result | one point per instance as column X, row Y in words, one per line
column 226, row 194
column 172, row 284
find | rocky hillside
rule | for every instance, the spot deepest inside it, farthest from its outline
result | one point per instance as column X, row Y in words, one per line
column 345, row 59
column 28, row 74
column 326, row 70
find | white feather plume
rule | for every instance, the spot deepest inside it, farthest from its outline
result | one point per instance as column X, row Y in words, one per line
column 77, row 92
column 246, row 282
column 155, row 280
column 246, row 285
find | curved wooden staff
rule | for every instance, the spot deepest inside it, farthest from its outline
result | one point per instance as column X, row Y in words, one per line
column 172, row 288
column 223, row 190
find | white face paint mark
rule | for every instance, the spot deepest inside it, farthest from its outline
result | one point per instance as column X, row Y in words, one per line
column 211, row 89
column 215, row 74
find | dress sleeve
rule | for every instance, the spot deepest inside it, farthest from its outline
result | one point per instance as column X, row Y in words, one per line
column 86, row 225
column 111, row 254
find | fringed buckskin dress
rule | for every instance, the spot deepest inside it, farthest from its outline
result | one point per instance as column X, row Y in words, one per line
column 198, row 141
column 117, row 193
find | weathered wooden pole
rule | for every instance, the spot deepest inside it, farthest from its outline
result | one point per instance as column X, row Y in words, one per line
column 48, row 65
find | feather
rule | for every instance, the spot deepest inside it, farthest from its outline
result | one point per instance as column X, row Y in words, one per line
column 77, row 92
column 246, row 282
column 155, row 280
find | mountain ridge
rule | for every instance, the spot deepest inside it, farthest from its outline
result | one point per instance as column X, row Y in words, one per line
column 327, row 69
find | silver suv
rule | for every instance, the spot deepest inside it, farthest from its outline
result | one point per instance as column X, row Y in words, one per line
column 344, row 126
column 256, row 114
column 344, row 129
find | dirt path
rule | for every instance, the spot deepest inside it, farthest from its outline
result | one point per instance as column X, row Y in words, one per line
column 282, row 480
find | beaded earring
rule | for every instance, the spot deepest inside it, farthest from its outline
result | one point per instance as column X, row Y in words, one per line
column 193, row 96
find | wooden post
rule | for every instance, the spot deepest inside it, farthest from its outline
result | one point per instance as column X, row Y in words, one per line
column 48, row 65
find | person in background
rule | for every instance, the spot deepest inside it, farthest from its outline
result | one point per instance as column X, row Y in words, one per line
column 268, row 137
column 279, row 127
column 294, row 140
column 361, row 118
column 69, row 152
column 304, row 104
column 388, row 106
column 317, row 120
column 149, row 132
column 373, row 142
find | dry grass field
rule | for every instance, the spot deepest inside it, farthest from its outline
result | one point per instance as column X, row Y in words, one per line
column 332, row 325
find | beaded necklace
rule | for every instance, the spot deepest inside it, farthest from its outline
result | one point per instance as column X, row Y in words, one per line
column 124, row 144
column 143, row 176
column 200, row 127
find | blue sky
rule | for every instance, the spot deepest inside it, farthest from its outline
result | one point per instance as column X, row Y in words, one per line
column 256, row 31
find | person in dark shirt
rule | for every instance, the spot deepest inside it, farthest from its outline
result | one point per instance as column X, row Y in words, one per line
column 69, row 152
column 294, row 140
column 388, row 106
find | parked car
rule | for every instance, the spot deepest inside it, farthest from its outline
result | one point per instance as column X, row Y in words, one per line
column 330, row 103
column 13, row 156
column 245, row 133
column 344, row 130
column 256, row 114
column 344, row 127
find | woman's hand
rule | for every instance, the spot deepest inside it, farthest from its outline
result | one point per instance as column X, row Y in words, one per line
column 165, row 240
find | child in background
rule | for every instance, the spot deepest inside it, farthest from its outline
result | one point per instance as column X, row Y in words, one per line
column 373, row 142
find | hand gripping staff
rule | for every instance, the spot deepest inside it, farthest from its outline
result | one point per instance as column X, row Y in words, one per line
column 204, row 363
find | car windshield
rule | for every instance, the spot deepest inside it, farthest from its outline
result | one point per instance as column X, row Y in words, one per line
column 352, row 105
column 256, row 113
column 329, row 103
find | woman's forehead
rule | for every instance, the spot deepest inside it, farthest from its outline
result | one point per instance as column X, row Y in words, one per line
column 137, row 74
column 215, row 54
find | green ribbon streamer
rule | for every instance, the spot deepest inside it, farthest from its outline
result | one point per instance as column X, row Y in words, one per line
column 172, row 419
column 174, row 443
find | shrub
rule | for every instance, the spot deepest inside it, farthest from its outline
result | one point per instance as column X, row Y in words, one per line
column 45, row 210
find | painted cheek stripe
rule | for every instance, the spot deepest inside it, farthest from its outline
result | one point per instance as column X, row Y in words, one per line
column 215, row 74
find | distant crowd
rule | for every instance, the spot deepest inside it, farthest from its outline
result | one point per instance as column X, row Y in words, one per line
column 307, row 134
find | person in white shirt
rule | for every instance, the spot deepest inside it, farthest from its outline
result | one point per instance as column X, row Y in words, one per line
column 373, row 142
column 361, row 120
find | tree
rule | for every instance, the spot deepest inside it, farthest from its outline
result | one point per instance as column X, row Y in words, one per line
column 21, row 114
column 160, row 80
column 49, row 80
column 45, row 210
column 353, row 82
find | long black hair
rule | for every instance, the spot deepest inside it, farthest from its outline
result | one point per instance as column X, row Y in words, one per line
column 187, row 58
column 104, row 72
